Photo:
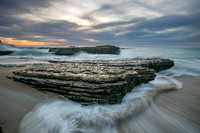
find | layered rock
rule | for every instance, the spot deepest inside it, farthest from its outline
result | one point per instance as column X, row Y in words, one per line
column 106, row 49
column 89, row 82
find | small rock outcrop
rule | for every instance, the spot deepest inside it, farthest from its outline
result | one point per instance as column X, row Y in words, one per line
column 89, row 82
column 106, row 49
column 4, row 48
column 5, row 52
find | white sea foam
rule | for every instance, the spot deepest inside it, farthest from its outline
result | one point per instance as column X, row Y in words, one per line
column 63, row 116
column 8, row 47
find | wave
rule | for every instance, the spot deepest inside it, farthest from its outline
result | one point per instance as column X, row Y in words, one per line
column 30, row 52
column 181, row 68
column 186, row 61
column 5, row 47
column 64, row 116
column 34, row 47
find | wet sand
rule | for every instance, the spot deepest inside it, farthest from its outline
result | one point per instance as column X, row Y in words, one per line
column 174, row 111
column 186, row 101
column 16, row 100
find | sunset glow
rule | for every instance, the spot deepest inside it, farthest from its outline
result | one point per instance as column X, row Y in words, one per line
column 24, row 42
column 91, row 40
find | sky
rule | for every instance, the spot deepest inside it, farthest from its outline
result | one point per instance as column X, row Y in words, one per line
column 100, row 22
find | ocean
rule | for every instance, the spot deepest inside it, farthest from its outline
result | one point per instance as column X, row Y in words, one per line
column 61, row 116
column 186, row 59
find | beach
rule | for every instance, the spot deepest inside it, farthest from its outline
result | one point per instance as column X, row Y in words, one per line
column 168, row 113
column 72, row 66
column 171, row 112
column 16, row 100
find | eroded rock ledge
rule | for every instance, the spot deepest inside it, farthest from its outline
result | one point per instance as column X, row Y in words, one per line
column 105, row 49
column 89, row 82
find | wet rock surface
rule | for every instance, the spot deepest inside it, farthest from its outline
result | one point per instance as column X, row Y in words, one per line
column 105, row 49
column 5, row 52
column 4, row 48
column 90, row 82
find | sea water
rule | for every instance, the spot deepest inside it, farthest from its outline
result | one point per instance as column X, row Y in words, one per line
column 64, row 116
column 186, row 59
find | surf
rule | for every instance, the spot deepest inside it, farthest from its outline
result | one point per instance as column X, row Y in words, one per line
column 62, row 115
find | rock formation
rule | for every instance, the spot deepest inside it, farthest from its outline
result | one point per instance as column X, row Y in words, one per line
column 89, row 82
column 4, row 48
column 106, row 49
column 5, row 52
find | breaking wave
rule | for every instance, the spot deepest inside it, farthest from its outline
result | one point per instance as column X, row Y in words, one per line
column 30, row 53
column 64, row 116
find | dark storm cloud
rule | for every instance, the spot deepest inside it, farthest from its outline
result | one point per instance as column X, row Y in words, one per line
column 126, row 29
column 151, row 30
column 10, row 20
column 109, row 8
column 11, row 7
column 145, row 29
column 10, row 24
column 22, row 29
column 56, row 29
column 159, row 23
column 172, row 21
column 53, row 26
column 67, row 30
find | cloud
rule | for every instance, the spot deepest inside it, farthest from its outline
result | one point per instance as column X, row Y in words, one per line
column 167, row 28
column 91, row 40
column 71, row 22
column 113, row 24
column 21, row 6
column 171, row 21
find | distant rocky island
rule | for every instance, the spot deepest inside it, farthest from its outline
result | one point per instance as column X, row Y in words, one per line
column 6, row 49
column 92, row 82
column 104, row 49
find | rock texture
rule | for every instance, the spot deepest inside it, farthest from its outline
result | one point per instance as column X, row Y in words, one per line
column 5, row 52
column 106, row 49
column 89, row 82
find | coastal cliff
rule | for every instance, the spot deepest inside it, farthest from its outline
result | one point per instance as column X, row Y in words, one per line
column 105, row 49
column 91, row 82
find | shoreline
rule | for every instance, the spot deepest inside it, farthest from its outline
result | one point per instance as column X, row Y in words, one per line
column 173, row 111
column 17, row 99
column 183, row 100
